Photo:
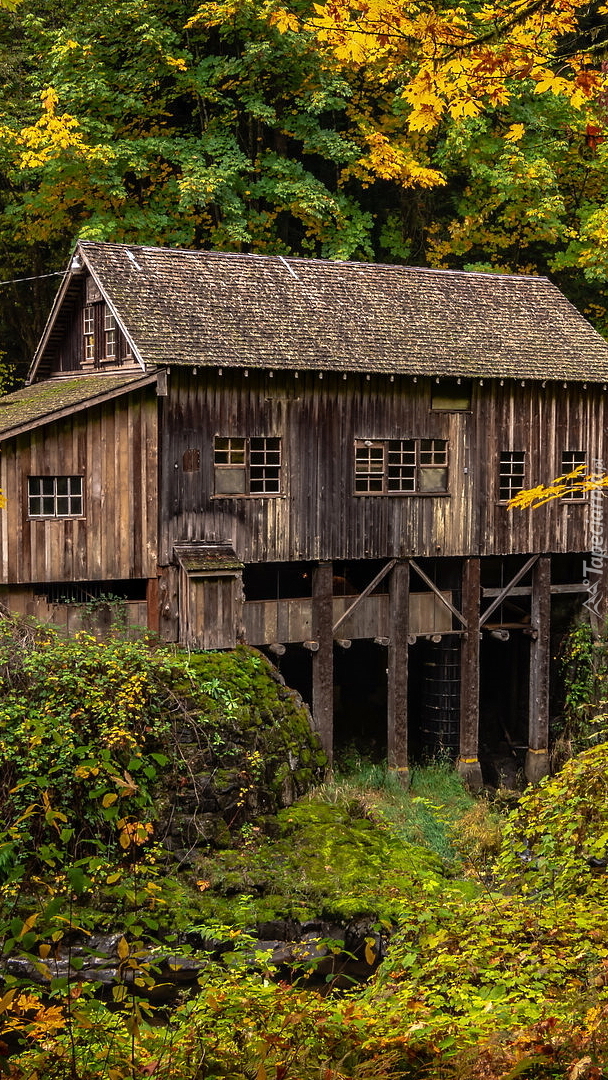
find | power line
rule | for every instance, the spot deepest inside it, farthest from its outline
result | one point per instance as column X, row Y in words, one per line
column 36, row 277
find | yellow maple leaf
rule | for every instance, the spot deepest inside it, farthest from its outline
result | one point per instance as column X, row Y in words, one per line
column 515, row 132
column 284, row 21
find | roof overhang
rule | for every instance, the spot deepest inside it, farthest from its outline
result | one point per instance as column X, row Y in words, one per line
column 63, row 409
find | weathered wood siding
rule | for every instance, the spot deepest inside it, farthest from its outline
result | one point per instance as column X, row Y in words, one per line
column 317, row 516
column 114, row 447
column 266, row 621
column 209, row 610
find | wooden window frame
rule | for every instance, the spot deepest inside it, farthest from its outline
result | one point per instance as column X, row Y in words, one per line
column 511, row 478
column 46, row 498
column 577, row 457
column 88, row 331
column 110, row 335
column 255, row 461
column 400, row 466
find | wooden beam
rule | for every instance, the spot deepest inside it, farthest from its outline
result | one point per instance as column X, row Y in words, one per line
column 576, row 589
column 368, row 589
column 399, row 603
column 468, row 762
column 323, row 659
column 507, row 589
column 444, row 599
column 537, row 758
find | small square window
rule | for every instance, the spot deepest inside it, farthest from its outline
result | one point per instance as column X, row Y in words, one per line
column 55, row 496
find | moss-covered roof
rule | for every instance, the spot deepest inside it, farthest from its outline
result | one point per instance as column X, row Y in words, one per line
column 45, row 401
column 208, row 558
column 233, row 310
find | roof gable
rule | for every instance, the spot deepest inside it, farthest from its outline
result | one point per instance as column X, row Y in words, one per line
column 234, row 310
column 66, row 300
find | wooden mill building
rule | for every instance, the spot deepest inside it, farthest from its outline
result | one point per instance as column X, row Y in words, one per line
column 316, row 458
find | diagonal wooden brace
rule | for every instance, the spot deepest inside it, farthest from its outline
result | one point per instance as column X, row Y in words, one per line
column 444, row 600
column 507, row 589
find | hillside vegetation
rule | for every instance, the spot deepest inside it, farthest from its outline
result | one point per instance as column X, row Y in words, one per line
column 431, row 934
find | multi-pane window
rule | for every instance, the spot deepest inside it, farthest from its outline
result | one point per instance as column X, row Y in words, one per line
column 247, row 466
column 109, row 325
column 54, row 496
column 511, row 473
column 88, row 330
column 572, row 460
column 401, row 466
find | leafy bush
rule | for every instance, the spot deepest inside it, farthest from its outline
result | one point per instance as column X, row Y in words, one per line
column 558, row 836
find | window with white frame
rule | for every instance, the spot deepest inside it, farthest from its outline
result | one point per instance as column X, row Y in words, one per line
column 54, row 496
column 401, row 466
column 511, row 473
column 572, row 460
column 109, row 326
column 247, row 466
column 88, row 330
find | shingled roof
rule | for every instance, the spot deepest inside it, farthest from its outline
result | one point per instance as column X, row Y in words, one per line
column 42, row 402
column 234, row 310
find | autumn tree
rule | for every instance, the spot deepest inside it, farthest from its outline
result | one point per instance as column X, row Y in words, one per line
column 468, row 136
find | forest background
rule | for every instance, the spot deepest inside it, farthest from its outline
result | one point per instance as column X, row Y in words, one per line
column 460, row 136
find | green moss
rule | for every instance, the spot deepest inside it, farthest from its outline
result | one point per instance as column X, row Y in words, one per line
column 326, row 861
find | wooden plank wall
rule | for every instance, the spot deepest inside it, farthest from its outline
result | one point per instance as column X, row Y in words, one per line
column 114, row 447
column 266, row 621
column 208, row 611
column 129, row 616
column 317, row 516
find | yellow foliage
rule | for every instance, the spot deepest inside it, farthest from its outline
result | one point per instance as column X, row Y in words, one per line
column 574, row 481
column 455, row 61
column 51, row 136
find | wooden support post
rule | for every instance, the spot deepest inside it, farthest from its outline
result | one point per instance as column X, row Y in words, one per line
column 399, row 602
column 537, row 758
column 323, row 659
column 468, row 762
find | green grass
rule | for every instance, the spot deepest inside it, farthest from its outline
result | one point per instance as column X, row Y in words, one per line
column 425, row 814
column 358, row 844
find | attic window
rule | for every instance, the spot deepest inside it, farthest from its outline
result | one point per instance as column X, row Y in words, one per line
column 451, row 395
column 88, row 329
column 54, row 496
column 247, row 466
column 109, row 325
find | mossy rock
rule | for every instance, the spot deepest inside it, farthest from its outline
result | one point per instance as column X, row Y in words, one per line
column 246, row 741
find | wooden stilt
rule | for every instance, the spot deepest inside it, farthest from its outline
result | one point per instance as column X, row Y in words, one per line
column 399, row 588
column 537, row 758
column 468, row 762
column 323, row 658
